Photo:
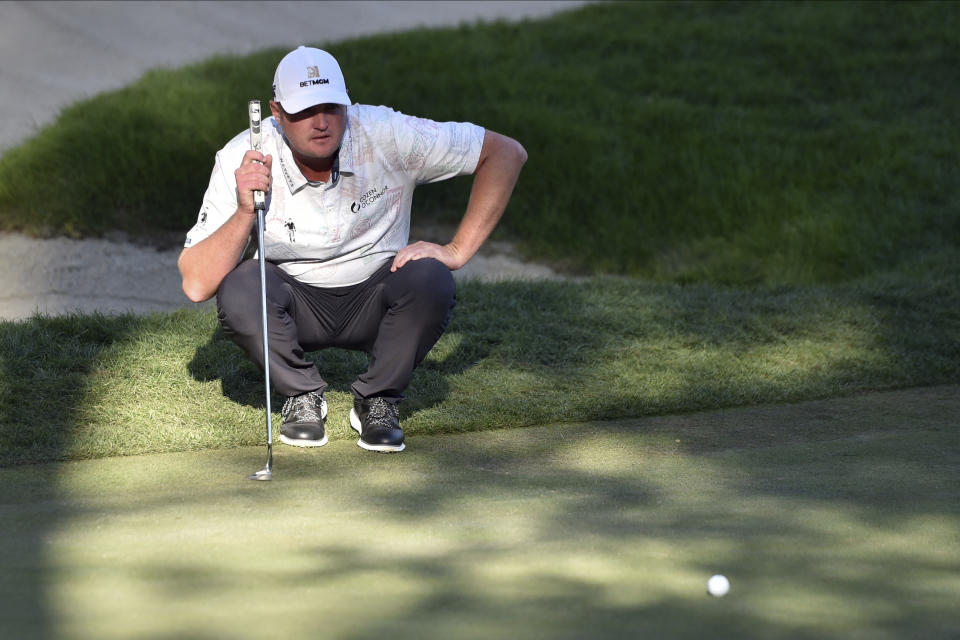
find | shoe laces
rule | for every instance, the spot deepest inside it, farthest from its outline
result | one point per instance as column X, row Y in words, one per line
column 381, row 413
column 303, row 408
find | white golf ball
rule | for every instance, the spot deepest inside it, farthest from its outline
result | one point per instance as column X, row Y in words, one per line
column 718, row 586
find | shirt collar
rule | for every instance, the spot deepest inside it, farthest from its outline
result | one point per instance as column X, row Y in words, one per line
column 347, row 155
column 342, row 164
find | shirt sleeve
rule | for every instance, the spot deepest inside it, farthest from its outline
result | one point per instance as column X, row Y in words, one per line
column 435, row 151
column 219, row 203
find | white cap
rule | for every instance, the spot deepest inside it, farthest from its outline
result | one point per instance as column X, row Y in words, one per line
column 307, row 77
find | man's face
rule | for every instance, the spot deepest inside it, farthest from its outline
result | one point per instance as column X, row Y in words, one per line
column 314, row 133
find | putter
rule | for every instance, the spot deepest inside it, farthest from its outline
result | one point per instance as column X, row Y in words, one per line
column 259, row 204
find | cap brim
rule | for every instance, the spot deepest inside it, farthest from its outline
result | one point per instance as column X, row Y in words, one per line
column 307, row 99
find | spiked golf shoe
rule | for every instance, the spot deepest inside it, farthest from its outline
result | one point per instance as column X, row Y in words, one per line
column 378, row 423
column 304, row 417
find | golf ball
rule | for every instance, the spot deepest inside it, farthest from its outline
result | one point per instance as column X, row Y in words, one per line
column 718, row 586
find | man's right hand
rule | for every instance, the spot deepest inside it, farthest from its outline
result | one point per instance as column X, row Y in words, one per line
column 253, row 174
column 204, row 265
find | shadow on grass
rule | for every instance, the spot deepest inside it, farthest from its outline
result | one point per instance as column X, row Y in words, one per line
column 519, row 354
column 831, row 517
column 217, row 360
column 515, row 354
column 242, row 382
column 839, row 524
column 46, row 368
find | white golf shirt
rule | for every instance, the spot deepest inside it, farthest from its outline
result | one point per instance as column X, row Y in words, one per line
column 338, row 233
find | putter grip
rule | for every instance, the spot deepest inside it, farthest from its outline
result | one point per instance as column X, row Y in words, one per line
column 259, row 202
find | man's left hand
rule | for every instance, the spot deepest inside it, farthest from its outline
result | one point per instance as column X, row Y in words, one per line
column 447, row 254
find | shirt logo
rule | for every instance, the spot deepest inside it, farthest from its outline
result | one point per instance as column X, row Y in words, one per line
column 367, row 199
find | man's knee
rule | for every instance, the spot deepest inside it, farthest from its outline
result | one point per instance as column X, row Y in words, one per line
column 431, row 284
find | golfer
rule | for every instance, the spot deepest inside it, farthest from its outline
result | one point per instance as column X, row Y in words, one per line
column 341, row 271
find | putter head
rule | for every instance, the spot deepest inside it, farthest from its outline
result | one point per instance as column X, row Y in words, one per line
column 267, row 472
column 263, row 475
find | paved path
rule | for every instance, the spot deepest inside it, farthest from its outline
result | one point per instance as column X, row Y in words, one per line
column 56, row 53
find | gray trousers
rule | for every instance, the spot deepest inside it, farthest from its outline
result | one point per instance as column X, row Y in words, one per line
column 395, row 318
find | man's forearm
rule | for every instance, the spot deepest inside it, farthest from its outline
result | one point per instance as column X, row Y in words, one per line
column 204, row 265
column 502, row 158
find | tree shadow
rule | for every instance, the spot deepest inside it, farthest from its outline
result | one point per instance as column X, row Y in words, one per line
column 45, row 373
column 219, row 359
column 584, row 340
column 601, row 531
column 553, row 336
column 787, row 515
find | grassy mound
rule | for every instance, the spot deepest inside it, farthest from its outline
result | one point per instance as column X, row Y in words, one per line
column 738, row 143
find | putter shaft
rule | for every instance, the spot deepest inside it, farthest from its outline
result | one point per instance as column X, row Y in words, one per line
column 267, row 472
column 259, row 204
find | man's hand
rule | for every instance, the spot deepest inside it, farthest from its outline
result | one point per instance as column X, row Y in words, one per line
column 204, row 265
column 501, row 159
column 447, row 254
column 253, row 174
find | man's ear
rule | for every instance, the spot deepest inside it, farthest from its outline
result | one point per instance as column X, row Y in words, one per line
column 276, row 109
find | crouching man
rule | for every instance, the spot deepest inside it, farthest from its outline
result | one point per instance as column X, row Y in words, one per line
column 339, row 179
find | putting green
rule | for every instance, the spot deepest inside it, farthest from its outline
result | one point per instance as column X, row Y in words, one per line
column 831, row 518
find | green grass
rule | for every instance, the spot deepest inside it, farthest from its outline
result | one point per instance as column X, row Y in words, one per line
column 805, row 151
column 783, row 176
column 516, row 354
column 735, row 143
column 832, row 519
